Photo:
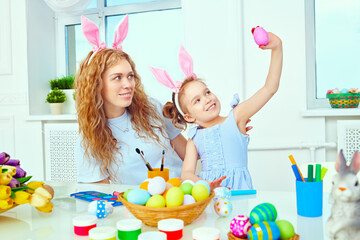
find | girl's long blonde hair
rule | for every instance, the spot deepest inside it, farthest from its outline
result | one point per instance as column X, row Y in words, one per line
column 97, row 139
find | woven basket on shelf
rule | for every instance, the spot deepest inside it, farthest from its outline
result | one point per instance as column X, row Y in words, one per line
column 232, row 237
column 151, row 215
column 344, row 100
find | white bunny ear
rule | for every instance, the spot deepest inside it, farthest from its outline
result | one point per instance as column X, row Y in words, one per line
column 340, row 164
column 355, row 163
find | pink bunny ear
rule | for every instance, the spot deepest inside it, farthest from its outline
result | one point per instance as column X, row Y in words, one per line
column 163, row 77
column 340, row 164
column 91, row 33
column 186, row 63
column 121, row 33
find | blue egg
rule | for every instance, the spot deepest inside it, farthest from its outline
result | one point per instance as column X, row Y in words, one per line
column 203, row 182
column 138, row 196
column 263, row 212
column 264, row 231
column 344, row 90
column 222, row 192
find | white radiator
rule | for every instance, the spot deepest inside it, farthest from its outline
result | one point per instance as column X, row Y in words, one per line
column 348, row 132
column 60, row 139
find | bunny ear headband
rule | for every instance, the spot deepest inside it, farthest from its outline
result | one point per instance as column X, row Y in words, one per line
column 186, row 65
column 91, row 33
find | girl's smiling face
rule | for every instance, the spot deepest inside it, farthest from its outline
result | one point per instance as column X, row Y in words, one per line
column 118, row 88
column 201, row 105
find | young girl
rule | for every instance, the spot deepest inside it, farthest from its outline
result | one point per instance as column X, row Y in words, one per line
column 220, row 142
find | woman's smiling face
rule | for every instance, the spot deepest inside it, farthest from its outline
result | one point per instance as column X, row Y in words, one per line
column 118, row 88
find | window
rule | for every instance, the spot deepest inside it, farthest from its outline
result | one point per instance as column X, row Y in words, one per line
column 154, row 37
column 333, row 36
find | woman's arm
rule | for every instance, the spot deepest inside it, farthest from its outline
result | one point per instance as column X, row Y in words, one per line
column 189, row 165
column 179, row 145
column 248, row 108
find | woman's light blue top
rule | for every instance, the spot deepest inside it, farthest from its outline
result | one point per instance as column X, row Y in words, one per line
column 132, row 169
column 223, row 152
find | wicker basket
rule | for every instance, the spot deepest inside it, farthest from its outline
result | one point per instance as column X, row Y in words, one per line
column 232, row 237
column 151, row 215
column 344, row 100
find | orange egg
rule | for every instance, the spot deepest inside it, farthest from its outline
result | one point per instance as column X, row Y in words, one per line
column 175, row 182
column 164, row 194
column 144, row 185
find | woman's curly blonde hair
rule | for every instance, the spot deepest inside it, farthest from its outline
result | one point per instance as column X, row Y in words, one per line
column 97, row 139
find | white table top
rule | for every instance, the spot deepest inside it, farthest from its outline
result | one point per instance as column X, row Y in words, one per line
column 26, row 223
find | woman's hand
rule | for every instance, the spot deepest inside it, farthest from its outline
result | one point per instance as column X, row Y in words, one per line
column 216, row 183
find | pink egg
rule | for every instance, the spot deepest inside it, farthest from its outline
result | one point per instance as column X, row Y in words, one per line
column 240, row 225
column 260, row 36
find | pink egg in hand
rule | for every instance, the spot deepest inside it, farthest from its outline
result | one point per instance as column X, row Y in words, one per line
column 240, row 225
column 260, row 36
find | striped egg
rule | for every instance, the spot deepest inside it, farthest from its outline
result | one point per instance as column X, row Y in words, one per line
column 264, row 231
column 263, row 212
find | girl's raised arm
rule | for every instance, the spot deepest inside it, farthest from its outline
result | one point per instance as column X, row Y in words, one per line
column 246, row 109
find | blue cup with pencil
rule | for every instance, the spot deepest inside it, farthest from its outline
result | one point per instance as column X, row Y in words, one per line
column 309, row 191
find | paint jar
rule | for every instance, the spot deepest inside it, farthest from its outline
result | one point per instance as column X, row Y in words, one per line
column 102, row 233
column 156, row 172
column 206, row 233
column 172, row 227
column 82, row 224
column 129, row 229
column 152, row 235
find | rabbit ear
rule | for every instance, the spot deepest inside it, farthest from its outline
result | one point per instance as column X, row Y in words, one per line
column 355, row 163
column 91, row 33
column 186, row 63
column 121, row 33
column 164, row 78
column 340, row 164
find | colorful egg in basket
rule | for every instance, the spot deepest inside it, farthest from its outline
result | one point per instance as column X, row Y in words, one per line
column 151, row 215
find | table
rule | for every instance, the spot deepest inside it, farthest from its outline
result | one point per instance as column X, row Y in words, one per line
column 26, row 223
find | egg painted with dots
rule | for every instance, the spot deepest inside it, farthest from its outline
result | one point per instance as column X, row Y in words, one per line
column 240, row 226
column 223, row 207
column 266, row 230
column 263, row 212
column 100, row 209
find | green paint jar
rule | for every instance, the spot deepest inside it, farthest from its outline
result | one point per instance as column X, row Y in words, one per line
column 128, row 229
column 102, row 233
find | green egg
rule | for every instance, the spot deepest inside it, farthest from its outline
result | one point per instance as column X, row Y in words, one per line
column 156, row 201
column 200, row 192
column 126, row 193
column 286, row 229
column 174, row 197
column 186, row 187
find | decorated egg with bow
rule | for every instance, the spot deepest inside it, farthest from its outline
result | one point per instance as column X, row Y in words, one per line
column 222, row 192
column 240, row 226
column 223, row 207
column 100, row 209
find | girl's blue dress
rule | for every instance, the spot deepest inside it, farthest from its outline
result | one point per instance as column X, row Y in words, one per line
column 223, row 152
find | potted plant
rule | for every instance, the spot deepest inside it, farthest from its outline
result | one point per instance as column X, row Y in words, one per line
column 56, row 99
column 66, row 84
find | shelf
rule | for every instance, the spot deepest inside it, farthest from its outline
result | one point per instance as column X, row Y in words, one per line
column 331, row 112
column 60, row 117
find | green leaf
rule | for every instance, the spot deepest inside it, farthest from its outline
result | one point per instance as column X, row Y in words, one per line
column 24, row 179
column 4, row 170
column 12, row 194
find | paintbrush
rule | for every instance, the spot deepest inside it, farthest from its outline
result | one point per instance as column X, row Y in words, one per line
column 146, row 162
column 162, row 161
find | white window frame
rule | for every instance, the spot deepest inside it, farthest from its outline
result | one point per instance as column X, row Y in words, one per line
column 61, row 21
column 312, row 101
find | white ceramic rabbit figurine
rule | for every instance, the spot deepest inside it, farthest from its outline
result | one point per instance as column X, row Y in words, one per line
column 344, row 221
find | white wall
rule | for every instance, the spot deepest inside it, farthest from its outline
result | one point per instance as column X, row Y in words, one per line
column 21, row 139
column 218, row 36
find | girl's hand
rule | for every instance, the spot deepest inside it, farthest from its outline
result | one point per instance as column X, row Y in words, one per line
column 274, row 42
column 249, row 127
column 216, row 183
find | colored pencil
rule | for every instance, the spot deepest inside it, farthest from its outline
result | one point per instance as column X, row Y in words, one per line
column 310, row 177
column 296, row 169
column 318, row 173
column 323, row 172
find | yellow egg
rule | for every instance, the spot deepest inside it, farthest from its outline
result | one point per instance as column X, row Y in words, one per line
column 174, row 197
column 156, row 201
column 200, row 192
